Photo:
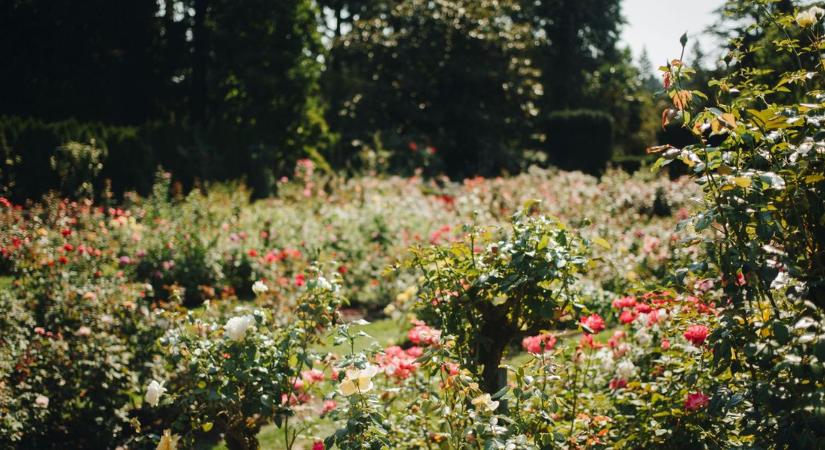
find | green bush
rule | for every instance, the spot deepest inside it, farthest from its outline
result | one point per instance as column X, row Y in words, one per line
column 579, row 139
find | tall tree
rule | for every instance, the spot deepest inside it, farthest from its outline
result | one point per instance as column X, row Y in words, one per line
column 454, row 75
column 578, row 38
column 93, row 60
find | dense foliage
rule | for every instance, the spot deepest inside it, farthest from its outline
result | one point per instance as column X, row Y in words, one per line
column 545, row 310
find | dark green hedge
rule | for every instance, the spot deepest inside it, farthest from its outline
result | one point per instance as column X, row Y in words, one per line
column 579, row 140
column 133, row 154
column 27, row 145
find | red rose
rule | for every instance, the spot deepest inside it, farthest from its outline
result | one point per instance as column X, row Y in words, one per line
column 627, row 317
column 697, row 334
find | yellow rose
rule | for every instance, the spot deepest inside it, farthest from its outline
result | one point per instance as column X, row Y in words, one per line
column 485, row 402
column 168, row 441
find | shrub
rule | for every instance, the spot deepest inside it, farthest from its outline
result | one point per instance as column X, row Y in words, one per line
column 495, row 287
column 761, row 163
column 249, row 371
column 579, row 140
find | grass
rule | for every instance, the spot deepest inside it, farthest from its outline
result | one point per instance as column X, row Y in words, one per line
column 5, row 282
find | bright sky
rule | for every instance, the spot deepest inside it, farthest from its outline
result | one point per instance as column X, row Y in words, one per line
column 658, row 24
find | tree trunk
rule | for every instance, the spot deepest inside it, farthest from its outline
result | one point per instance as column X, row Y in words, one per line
column 199, row 68
column 495, row 335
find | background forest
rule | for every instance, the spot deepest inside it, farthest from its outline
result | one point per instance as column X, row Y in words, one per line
column 215, row 89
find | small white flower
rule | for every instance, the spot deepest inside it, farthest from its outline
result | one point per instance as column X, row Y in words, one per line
column 153, row 393
column 605, row 358
column 323, row 283
column 41, row 401
column 643, row 337
column 259, row 287
column 781, row 281
column 236, row 327
column 625, row 369
column 485, row 402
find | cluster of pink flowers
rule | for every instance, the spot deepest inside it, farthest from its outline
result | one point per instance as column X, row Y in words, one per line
column 700, row 306
column 274, row 256
column 399, row 363
column 439, row 234
column 649, row 304
column 539, row 343
column 301, row 387
column 422, row 334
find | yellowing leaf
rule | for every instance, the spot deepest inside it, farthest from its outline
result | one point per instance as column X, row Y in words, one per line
column 681, row 99
column 810, row 179
column 601, row 242
column 742, row 181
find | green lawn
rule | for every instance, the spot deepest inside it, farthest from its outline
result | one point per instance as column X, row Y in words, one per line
column 5, row 282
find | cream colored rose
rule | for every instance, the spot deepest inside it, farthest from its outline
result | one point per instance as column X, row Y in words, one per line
column 358, row 381
column 259, row 287
column 485, row 402
column 168, row 441
column 809, row 17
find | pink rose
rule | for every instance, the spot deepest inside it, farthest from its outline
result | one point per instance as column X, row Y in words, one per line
column 594, row 322
column 695, row 401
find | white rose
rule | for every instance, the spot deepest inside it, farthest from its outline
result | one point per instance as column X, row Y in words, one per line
column 625, row 369
column 259, row 287
column 153, row 393
column 485, row 402
column 643, row 337
column 605, row 358
column 236, row 327
column 41, row 401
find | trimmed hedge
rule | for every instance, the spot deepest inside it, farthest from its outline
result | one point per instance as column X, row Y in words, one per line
column 27, row 146
column 132, row 155
column 579, row 140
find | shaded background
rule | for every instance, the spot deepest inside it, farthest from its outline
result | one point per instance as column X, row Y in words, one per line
column 97, row 95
